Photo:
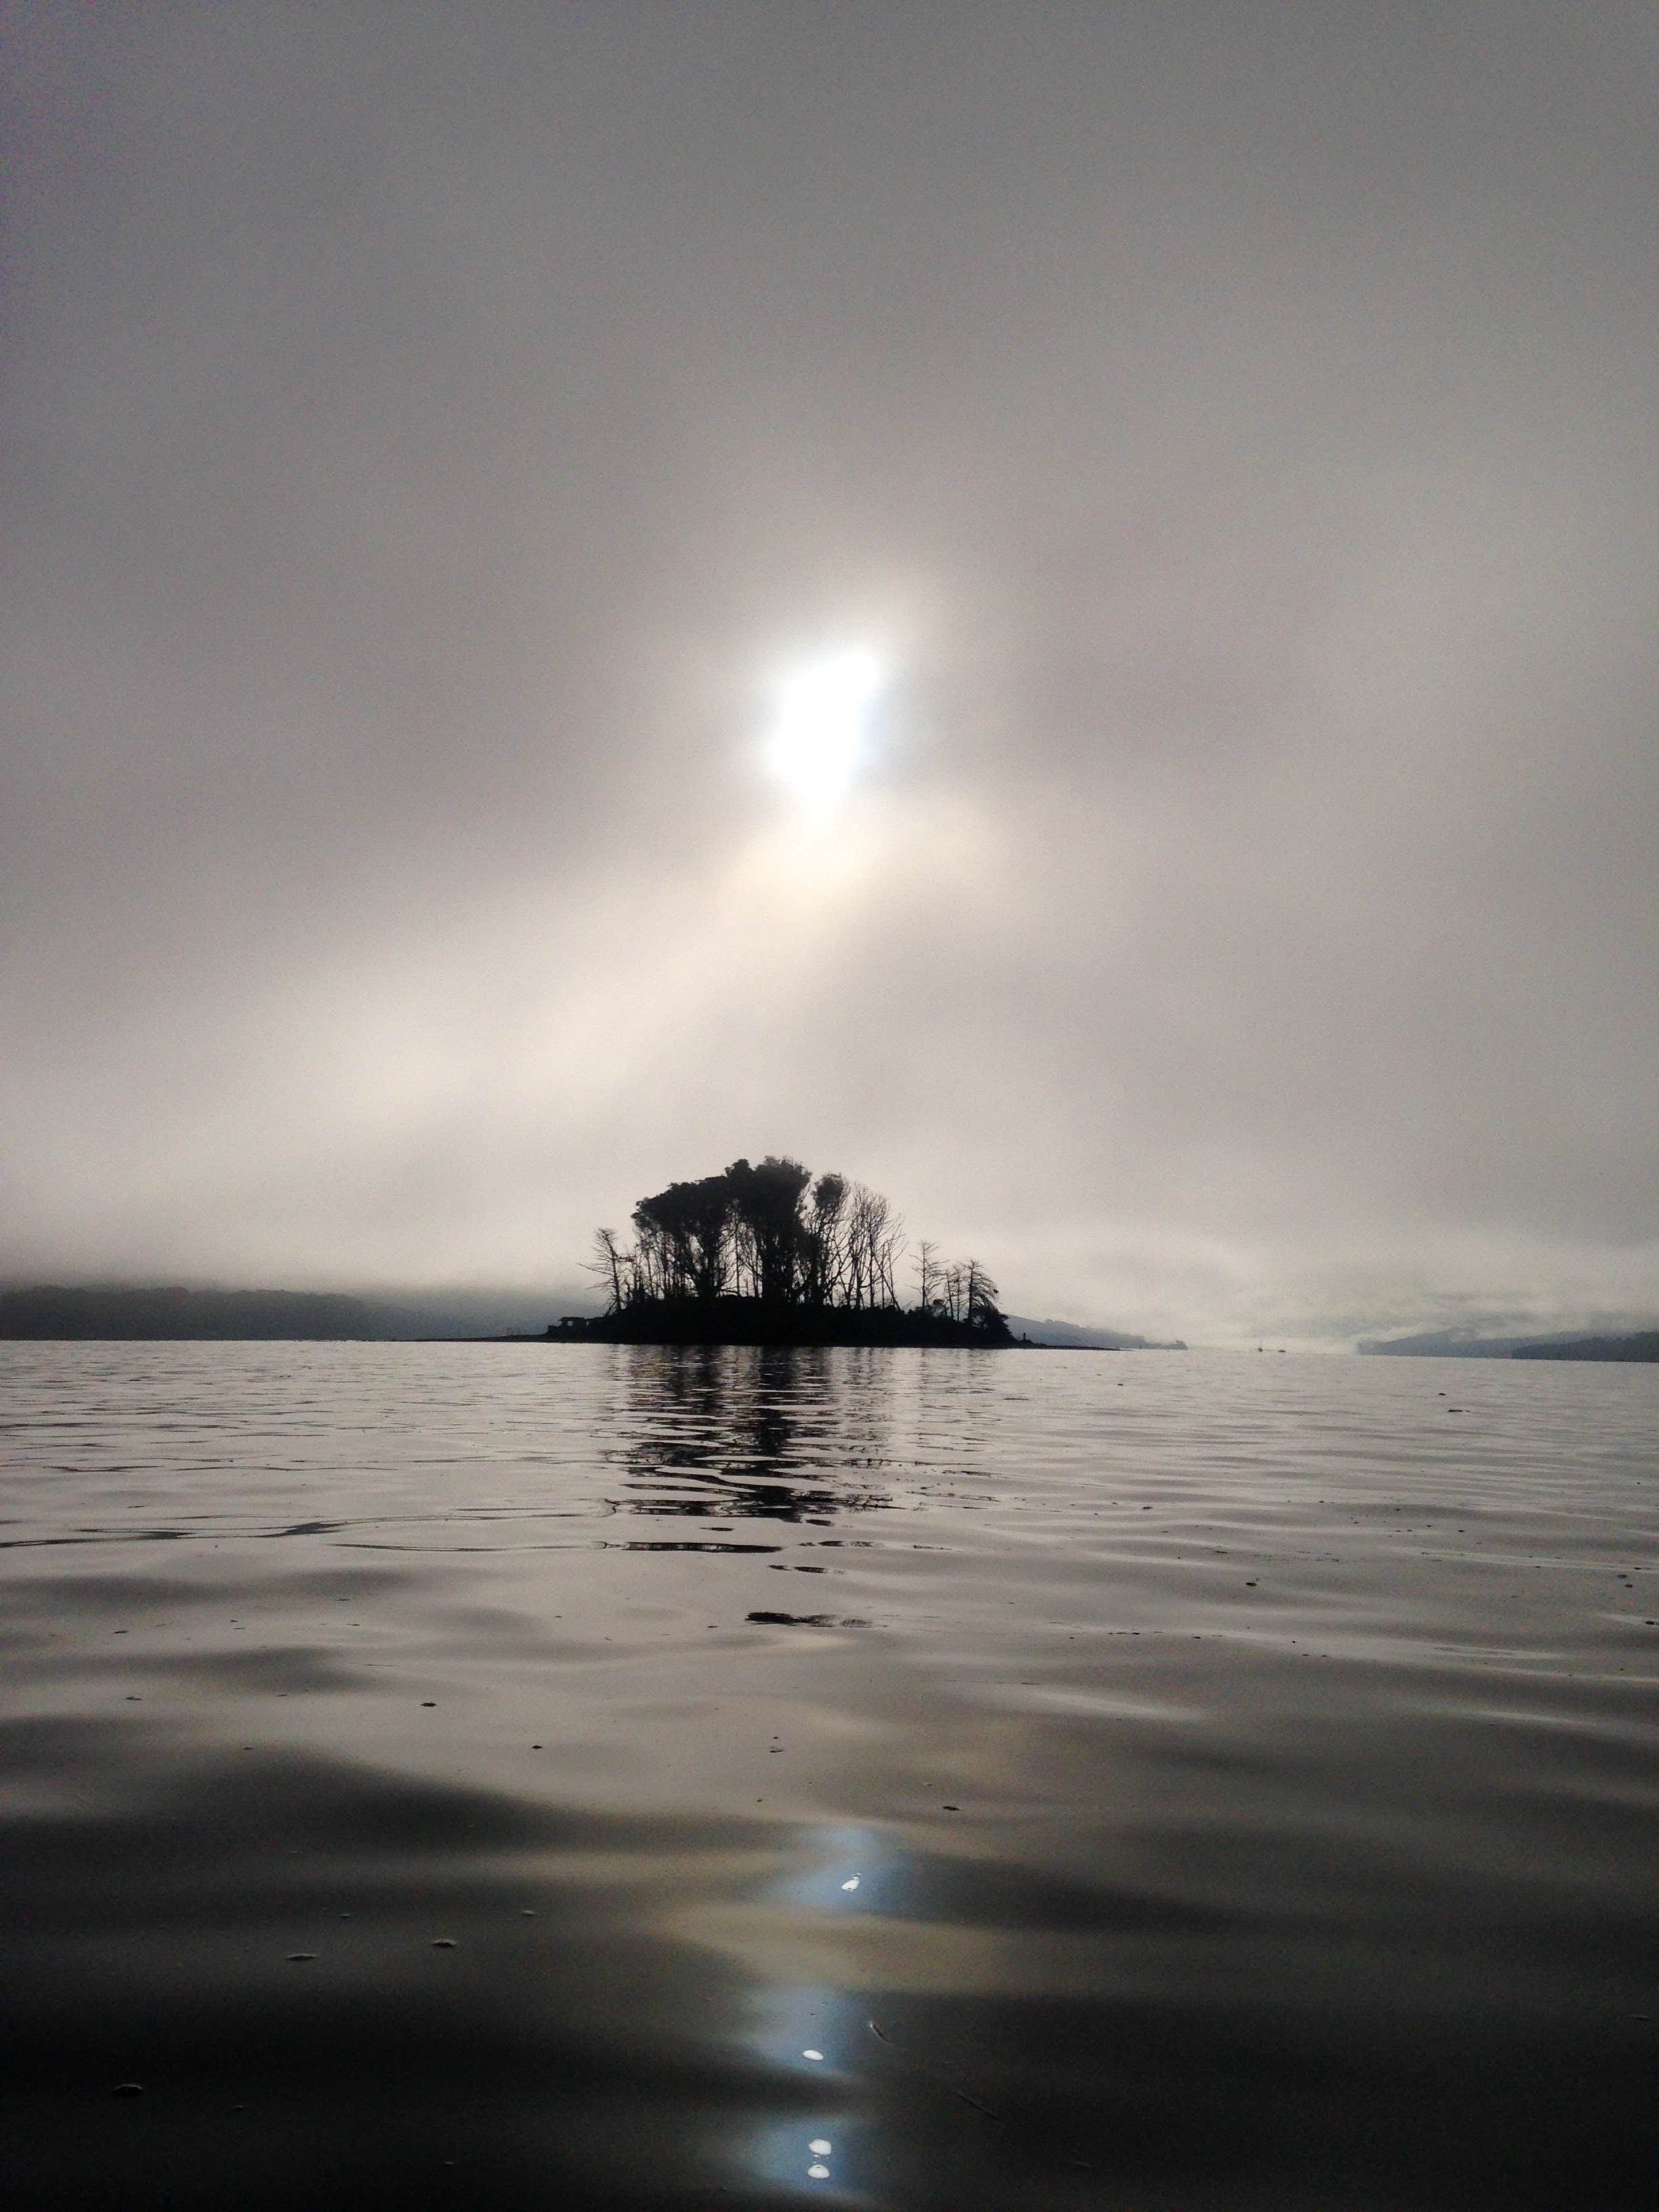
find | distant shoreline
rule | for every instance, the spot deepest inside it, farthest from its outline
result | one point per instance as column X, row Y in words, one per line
column 785, row 1343
column 734, row 1321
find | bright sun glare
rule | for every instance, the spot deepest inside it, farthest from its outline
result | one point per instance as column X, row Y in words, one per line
column 818, row 725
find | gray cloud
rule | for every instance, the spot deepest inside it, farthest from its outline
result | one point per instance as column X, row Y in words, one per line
column 1235, row 426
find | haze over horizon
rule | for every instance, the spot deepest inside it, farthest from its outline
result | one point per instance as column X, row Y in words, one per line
column 1222, row 437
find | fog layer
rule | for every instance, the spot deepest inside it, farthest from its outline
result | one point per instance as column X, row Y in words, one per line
column 428, row 438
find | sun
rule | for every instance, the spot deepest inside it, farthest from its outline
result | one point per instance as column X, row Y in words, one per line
column 821, row 713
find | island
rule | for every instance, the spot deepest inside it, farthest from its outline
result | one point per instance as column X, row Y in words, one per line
column 770, row 1255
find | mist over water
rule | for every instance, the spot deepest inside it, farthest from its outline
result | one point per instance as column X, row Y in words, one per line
column 605, row 1776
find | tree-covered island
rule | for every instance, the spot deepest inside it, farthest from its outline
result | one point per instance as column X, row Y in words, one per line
column 767, row 1255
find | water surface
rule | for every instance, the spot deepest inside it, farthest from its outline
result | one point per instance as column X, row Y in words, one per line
column 589, row 1775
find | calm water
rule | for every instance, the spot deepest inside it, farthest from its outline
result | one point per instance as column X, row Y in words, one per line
column 515, row 1776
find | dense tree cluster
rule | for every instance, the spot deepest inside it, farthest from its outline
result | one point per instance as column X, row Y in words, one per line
column 775, row 1238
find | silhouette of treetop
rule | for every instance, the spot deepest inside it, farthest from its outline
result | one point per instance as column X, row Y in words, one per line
column 767, row 1253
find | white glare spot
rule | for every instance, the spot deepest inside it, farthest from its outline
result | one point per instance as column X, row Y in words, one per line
column 819, row 2146
column 818, row 2173
column 811, row 2054
column 818, row 732
column 851, row 1885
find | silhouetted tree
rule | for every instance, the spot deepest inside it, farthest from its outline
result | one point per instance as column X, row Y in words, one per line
column 612, row 1265
column 710, row 1212
column 825, row 1256
column 766, row 1202
column 979, row 1294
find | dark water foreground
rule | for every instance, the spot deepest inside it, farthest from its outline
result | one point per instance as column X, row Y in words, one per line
column 500, row 1777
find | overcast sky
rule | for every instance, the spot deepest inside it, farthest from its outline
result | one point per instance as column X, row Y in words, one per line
column 433, row 433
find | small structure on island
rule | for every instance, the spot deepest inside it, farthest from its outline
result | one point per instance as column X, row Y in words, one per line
column 769, row 1254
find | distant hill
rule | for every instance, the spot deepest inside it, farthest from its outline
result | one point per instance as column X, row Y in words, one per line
column 42, row 1310
column 1065, row 1336
column 52, row 1310
column 1445, row 1344
column 1463, row 1344
column 46, row 1311
column 1640, row 1344
column 474, row 1313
